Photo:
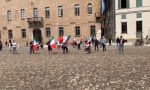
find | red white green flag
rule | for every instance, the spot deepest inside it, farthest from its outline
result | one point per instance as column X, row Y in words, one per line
column 63, row 39
column 34, row 45
column 90, row 39
column 53, row 43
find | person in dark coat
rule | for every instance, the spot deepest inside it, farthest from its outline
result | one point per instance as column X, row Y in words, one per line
column 109, row 41
column 96, row 44
column 117, row 42
column 6, row 43
column 1, row 44
column 65, row 48
column 31, row 47
column 49, row 46
column 41, row 44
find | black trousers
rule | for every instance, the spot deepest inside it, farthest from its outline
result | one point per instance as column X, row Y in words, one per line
column 31, row 50
column 1, row 47
column 79, row 47
column 65, row 49
column 104, row 47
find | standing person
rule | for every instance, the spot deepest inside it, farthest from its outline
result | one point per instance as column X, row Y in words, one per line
column 41, row 44
column 103, row 41
column 79, row 44
column 65, row 48
column 117, row 42
column 1, row 45
column 6, row 43
column 109, row 41
column 10, row 44
column 88, row 47
column 121, row 45
column 31, row 47
column 49, row 46
column 14, row 45
column 96, row 44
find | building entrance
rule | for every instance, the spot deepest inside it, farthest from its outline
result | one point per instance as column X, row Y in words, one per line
column 37, row 35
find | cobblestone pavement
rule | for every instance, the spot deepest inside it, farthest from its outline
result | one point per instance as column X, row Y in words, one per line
column 76, row 70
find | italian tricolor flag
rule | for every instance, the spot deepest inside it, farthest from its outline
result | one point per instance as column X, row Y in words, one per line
column 63, row 39
column 34, row 45
column 53, row 43
column 90, row 39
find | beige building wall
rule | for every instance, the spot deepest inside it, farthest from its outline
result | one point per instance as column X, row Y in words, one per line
column 68, row 21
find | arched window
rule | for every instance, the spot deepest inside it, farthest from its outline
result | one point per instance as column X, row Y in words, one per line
column 89, row 8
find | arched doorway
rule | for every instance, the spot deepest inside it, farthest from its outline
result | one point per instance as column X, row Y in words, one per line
column 37, row 35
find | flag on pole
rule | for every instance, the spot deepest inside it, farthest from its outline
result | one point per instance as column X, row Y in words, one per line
column 34, row 45
column 53, row 43
column 66, row 38
column 60, row 40
column 90, row 39
column 63, row 39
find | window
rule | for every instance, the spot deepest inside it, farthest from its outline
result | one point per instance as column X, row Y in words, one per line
column 10, row 34
column 60, row 11
column 35, row 12
column 9, row 17
column 89, row 8
column 48, row 32
column 139, row 15
column 77, row 9
column 124, row 27
column 138, row 26
column 47, row 12
column 23, row 33
column 123, row 16
column 122, row 4
column 22, row 14
column 77, row 31
column 138, row 3
column 92, row 30
column 61, row 31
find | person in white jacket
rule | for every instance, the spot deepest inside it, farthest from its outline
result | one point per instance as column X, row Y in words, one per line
column 14, row 45
column 103, row 41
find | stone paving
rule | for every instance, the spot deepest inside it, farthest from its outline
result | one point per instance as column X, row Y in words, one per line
column 76, row 70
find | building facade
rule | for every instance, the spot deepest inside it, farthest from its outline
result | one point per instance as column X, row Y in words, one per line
column 128, row 18
column 132, row 18
column 25, row 20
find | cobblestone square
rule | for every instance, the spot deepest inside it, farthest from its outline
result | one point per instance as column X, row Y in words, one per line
column 76, row 71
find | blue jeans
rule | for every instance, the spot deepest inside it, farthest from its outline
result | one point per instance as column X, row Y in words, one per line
column 14, row 50
column 121, row 48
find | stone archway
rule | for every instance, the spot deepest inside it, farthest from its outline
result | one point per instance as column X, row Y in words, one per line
column 37, row 35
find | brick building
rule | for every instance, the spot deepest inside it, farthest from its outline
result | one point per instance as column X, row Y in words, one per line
column 23, row 20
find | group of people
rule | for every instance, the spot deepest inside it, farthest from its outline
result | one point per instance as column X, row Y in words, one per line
column 87, row 45
column 12, row 45
column 34, row 48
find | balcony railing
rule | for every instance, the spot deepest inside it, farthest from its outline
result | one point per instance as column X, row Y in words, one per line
column 35, row 22
column 35, row 19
